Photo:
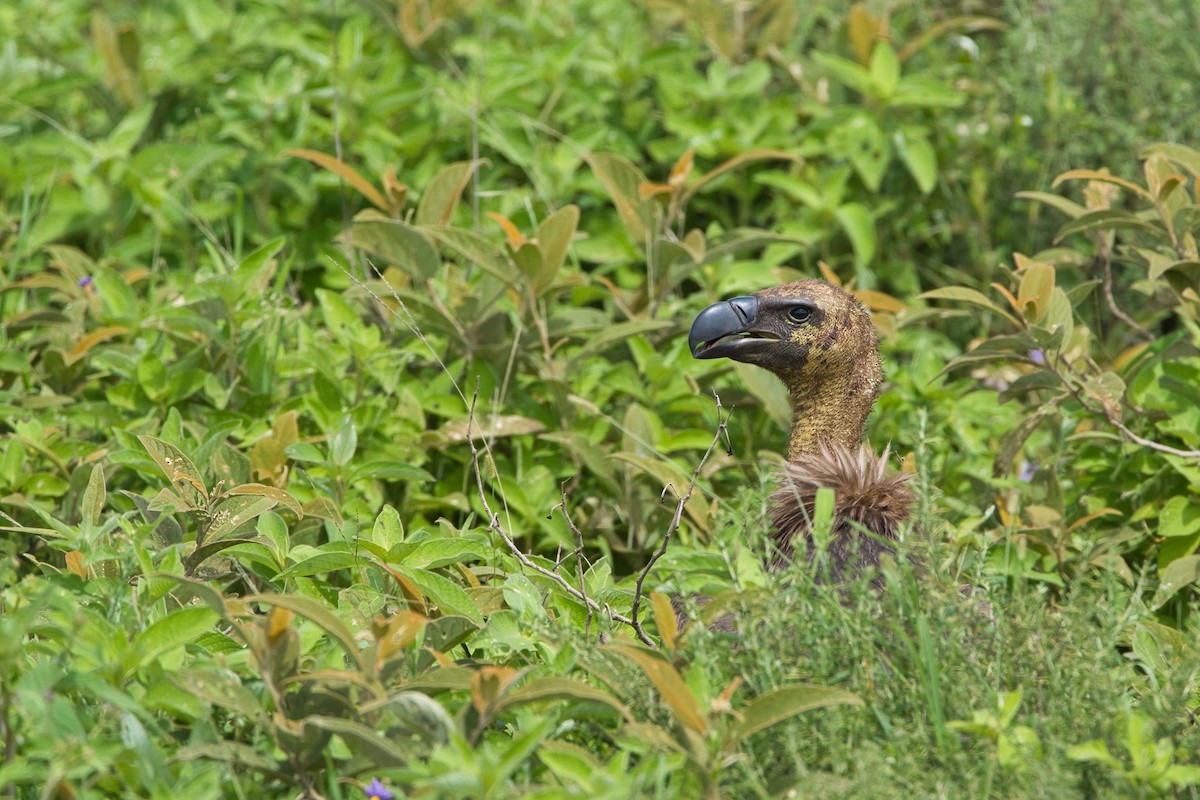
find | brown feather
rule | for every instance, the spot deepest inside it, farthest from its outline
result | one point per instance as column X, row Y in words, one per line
column 869, row 506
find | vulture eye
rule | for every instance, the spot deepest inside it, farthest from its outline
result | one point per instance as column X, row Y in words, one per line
column 799, row 313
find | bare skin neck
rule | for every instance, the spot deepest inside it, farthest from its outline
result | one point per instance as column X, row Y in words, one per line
column 832, row 411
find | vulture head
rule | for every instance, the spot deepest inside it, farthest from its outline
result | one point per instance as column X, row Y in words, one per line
column 821, row 343
column 817, row 339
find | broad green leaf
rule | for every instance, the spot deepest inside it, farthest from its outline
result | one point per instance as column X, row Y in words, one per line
column 1180, row 154
column 553, row 239
column 434, row 553
column 420, row 714
column 363, row 740
column 856, row 221
column 236, row 510
column 785, row 702
column 476, row 249
column 396, row 243
column 178, row 468
column 845, row 72
column 174, row 630
column 1036, row 290
column 1180, row 516
column 441, row 196
column 885, row 70
column 670, row 684
column 344, row 443
column 322, row 564
column 919, row 157
column 316, row 612
column 617, row 332
column 741, row 239
column 280, row 496
column 448, row 596
column 551, row 687
column 865, row 145
column 255, row 271
column 921, row 92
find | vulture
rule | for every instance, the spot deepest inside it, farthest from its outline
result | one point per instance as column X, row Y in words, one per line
column 821, row 343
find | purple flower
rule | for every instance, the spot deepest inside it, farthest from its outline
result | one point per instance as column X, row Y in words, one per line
column 1037, row 356
column 1028, row 470
column 377, row 791
column 86, row 282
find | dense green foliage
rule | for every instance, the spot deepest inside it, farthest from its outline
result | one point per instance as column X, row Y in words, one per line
column 345, row 398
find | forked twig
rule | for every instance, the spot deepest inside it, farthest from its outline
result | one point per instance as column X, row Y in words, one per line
column 676, row 519
column 495, row 526
column 587, row 625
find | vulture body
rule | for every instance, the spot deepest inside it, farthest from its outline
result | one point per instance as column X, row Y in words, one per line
column 821, row 343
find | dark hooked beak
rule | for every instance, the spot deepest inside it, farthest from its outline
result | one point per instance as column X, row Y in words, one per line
column 726, row 330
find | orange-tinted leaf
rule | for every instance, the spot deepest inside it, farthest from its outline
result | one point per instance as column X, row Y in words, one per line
column 511, row 231
column 664, row 618
column 865, row 30
column 670, row 684
column 345, row 172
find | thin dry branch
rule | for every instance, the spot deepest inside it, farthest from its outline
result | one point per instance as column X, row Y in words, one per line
column 587, row 625
column 495, row 526
column 676, row 519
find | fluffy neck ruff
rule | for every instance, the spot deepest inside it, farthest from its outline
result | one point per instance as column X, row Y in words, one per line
column 867, row 499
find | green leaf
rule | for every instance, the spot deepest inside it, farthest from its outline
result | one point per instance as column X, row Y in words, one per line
column 920, row 92
column 1110, row 218
column 476, row 250
column 178, row 468
column 234, row 511
column 856, row 221
column 1070, row 208
column 962, row 294
column 174, row 630
column 363, row 740
column 1180, row 154
column 919, row 157
column 345, row 442
column 396, row 243
column 434, row 553
column 553, row 239
column 786, row 702
column 418, row 713
column 845, row 72
column 92, row 505
column 864, row 144
column 885, row 70
column 441, row 196
column 448, row 596
column 1180, row 573
column 560, row 688
column 1179, row 517
column 322, row 564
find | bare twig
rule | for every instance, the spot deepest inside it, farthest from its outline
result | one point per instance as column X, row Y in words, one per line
column 587, row 625
column 1112, row 301
column 495, row 526
column 1114, row 419
column 722, row 425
